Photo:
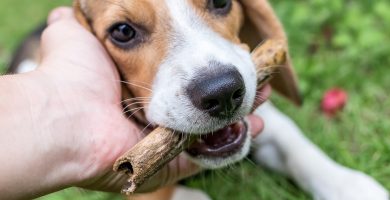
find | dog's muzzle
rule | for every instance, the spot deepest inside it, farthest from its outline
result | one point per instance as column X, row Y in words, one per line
column 218, row 94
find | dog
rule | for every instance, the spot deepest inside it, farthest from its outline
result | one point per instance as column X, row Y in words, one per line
column 195, row 55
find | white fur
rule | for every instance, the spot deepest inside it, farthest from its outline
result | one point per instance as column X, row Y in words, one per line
column 193, row 47
column 26, row 66
column 184, row 193
column 283, row 147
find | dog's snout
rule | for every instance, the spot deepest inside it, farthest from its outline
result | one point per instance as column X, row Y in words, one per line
column 217, row 93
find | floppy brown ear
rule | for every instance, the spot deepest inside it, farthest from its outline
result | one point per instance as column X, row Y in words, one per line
column 81, row 14
column 84, row 17
column 262, row 23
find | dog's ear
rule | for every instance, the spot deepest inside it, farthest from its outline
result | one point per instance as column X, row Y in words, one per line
column 260, row 24
column 82, row 14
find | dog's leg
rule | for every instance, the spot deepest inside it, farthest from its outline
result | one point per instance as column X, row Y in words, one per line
column 282, row 147
column 184, row 193
column 172, row 193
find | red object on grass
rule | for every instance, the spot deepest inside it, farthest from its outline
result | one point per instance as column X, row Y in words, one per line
column 334, row 101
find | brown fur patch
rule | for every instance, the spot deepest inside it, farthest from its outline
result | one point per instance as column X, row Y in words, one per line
column 138, row 65
column 227, row 26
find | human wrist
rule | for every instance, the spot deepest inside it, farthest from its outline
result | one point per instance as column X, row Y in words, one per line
column 59, row 120
column 47, row 158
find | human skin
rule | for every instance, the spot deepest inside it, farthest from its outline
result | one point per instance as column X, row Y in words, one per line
column 63, row 125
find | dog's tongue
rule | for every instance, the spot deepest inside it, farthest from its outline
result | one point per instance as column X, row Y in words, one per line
column 221, row 143
column 224, row 136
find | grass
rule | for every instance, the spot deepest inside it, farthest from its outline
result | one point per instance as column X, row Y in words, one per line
column 334, row 43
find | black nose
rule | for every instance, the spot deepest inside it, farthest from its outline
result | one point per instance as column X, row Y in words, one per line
column 219, row 93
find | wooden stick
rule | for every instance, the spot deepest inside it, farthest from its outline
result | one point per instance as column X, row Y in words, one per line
column 268, row 57
column 148, row 156
column 162, row 145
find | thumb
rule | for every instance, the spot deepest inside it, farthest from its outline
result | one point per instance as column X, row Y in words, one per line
column 60, row 13
column 63, row 30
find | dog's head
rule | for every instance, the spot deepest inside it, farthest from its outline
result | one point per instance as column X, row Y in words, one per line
column 187, row 66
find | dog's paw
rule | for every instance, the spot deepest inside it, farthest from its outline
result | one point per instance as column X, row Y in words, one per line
column 184, row 193
column 350, row 185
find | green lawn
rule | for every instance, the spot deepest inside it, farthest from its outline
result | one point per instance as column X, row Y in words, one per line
column 333, row 43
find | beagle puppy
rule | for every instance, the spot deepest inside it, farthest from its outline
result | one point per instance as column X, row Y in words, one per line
column 191, row 60
column 201, row 75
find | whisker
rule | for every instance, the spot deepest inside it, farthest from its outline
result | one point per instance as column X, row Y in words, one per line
column 134, row 113
column 128, row 111
column 137, row 102
column 146, row 127
column 142, row 83
column 136, row 85
column 250, row 162
column 261, row 98
column 135, row 98
column 226, row 176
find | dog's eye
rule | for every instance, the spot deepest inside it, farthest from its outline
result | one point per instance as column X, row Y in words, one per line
column 220, row 7
column 122, row 33
column 220, row 3
column 126, row 35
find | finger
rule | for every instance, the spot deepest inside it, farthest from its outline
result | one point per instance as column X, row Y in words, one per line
column 64, row 30
column 60, row 14
column 256, row 125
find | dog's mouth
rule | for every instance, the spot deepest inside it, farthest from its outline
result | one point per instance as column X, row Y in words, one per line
column 222, row 143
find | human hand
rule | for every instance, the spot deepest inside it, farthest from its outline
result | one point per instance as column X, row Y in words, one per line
column 90, row 85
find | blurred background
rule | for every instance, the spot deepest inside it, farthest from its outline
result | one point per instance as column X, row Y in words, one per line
column 334, row 44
